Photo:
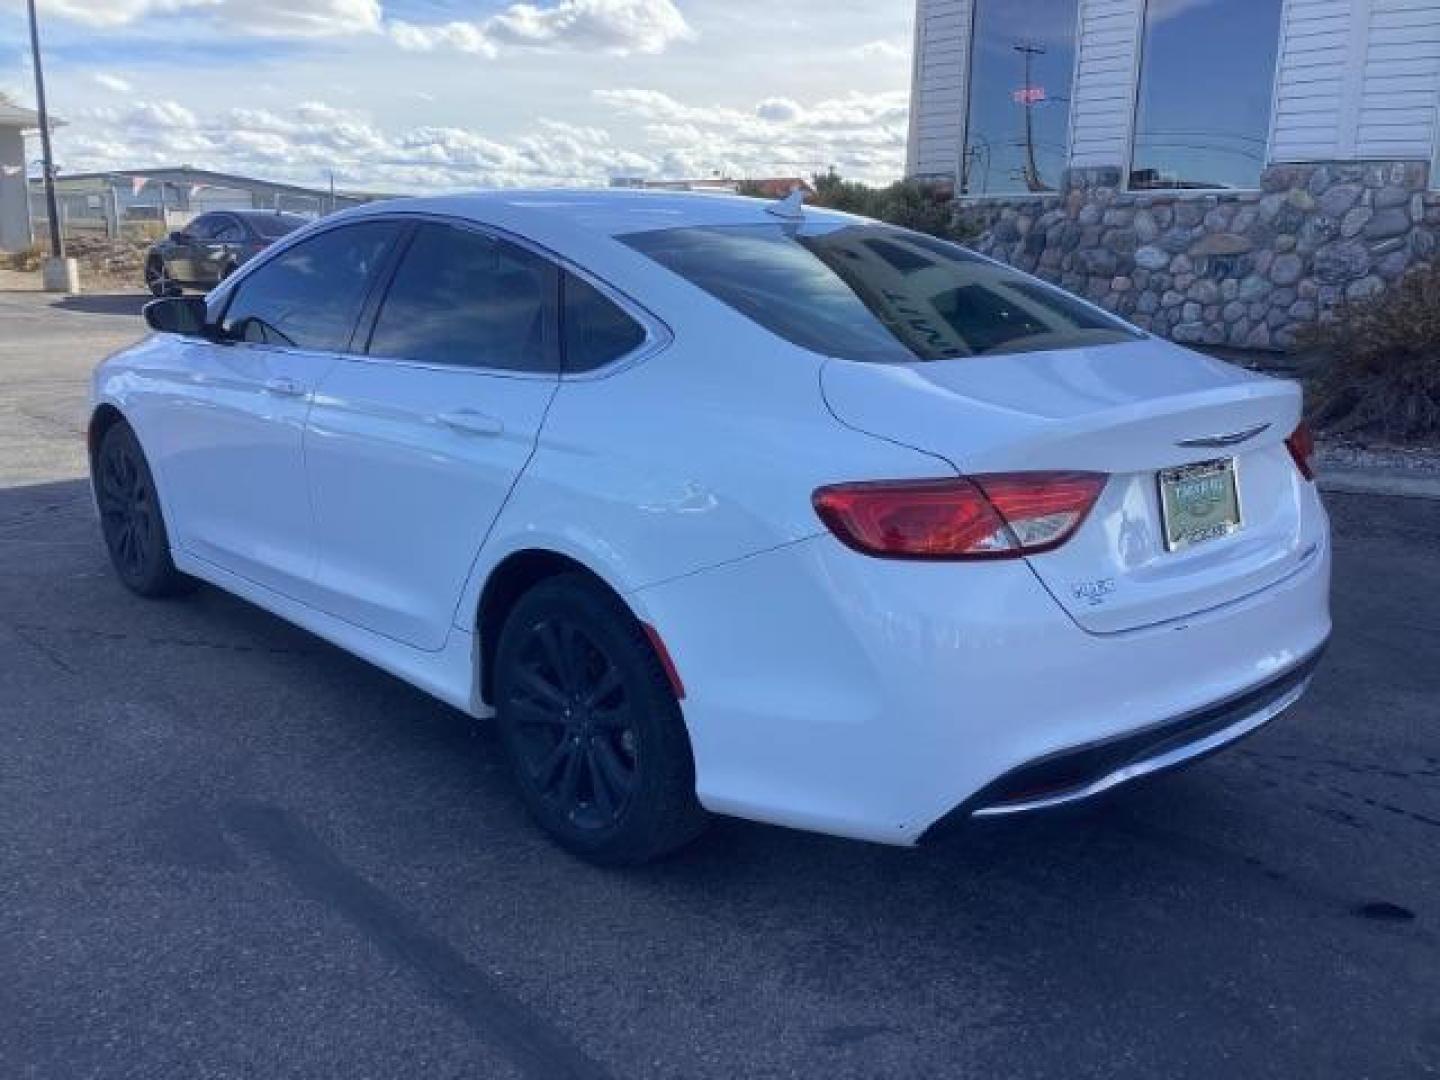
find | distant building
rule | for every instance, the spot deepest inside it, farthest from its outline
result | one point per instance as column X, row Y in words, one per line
column 15, row 122
column 775, row 187
column 1219, row 172
column 104, row 202
column 712, row 183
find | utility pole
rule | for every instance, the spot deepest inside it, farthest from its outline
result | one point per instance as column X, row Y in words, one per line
column 1032, row 170
column 52, row 207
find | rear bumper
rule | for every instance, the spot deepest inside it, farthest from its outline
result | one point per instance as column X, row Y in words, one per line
column 870, row 698
column 1083, row 772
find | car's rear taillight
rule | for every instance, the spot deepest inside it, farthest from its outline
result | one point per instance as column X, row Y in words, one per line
column 1301, row 445
column 994, row 516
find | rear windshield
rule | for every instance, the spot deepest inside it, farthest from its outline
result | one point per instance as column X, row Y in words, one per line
column 875, row 293
column 274, row 225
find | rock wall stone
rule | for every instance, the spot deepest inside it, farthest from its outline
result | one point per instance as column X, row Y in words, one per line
column 1236, row 268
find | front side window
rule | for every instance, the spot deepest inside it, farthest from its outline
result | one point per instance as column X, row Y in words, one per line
column 228, row 231
column 203, row 227
column 310, row 295
column 874, row 293
column 597, row 331
column 1022, row 62
column 1207, row 74
column 461, row 297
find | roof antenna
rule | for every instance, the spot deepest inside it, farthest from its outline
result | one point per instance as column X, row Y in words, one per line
column 791, row 208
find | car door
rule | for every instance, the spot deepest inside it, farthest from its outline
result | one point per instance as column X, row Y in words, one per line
column 184, row 245
column 413, row 448
column 219, row 249
column 231, row 439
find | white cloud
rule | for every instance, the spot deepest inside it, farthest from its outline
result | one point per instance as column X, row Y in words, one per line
column 882, row 50
column 460, row 36
column 108, row 13
column 579, row 89
column 862, row 136
column 303, row 143
column 618, row 27
column 257, row 18
column 113, row 83
column 778, row 109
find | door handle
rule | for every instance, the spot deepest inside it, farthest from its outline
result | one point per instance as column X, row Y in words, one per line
column 282, row 386
column 472, row 422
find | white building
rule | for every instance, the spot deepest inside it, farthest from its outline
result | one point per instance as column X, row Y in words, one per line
column 15, row 122
column 1220, row 170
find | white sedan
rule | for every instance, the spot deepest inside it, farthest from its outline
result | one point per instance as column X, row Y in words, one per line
column 730, row 506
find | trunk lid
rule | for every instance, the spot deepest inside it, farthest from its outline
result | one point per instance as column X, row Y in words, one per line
column 1130, row 411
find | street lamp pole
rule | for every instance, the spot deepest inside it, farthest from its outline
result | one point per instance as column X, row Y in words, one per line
column 52, row 206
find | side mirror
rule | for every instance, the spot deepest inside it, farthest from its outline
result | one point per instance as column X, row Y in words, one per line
column 179, row 236
column 177, row 315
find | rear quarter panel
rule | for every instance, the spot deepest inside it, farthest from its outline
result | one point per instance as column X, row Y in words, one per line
column 704, row 453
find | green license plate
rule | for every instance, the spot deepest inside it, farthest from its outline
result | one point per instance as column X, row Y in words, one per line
column 1199, row 502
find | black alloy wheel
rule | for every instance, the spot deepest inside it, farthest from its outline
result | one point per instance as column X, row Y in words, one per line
column 592, row 727
column 158, row 279
column 130, row 518
column 578, row 740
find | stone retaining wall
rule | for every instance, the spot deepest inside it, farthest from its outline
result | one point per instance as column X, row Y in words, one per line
column 1244, row 269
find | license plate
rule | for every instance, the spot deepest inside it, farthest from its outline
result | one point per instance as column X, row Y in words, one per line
column 1199, row 502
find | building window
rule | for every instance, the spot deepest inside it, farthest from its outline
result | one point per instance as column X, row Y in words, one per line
column 1207, row 76
column 1022, row 62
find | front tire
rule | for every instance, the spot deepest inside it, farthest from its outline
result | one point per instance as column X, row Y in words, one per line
column 130, row 517
column 158, row 279
column 591, row 727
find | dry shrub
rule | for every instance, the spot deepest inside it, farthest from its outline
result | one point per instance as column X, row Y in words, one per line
column 26, row 260
column 1381, row 376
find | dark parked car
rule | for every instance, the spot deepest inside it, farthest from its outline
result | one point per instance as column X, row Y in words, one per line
column 207, row 250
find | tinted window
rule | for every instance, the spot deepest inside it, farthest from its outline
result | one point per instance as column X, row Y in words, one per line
column 1017, row 137
column 1207, row 71
column 597, row 330
column 203, row 227
column 460, row 297
column 271, row 226
column 310, row 295
column 912, row 297
column 228, row 231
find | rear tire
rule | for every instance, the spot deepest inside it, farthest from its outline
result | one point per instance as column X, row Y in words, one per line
column 130, row 517
column 591, row 727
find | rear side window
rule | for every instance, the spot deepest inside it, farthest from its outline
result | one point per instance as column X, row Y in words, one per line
column 310, row 295
column 460, row 297
column 874, row 293
column 273, row 226
column 597, row 330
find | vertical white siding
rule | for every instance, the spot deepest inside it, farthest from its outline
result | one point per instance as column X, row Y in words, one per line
column 1400, row 81
column 1102, row 107
column 1358, row 80
column 1355, row 80
column 941, row 72
column 1316, row 81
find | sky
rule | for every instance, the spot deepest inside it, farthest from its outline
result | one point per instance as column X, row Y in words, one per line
column 417, row 95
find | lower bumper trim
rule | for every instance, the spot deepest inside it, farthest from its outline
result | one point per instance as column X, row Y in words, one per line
column 1079, row 773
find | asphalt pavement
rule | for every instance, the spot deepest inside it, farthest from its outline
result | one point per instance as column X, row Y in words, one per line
column 228, row 849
